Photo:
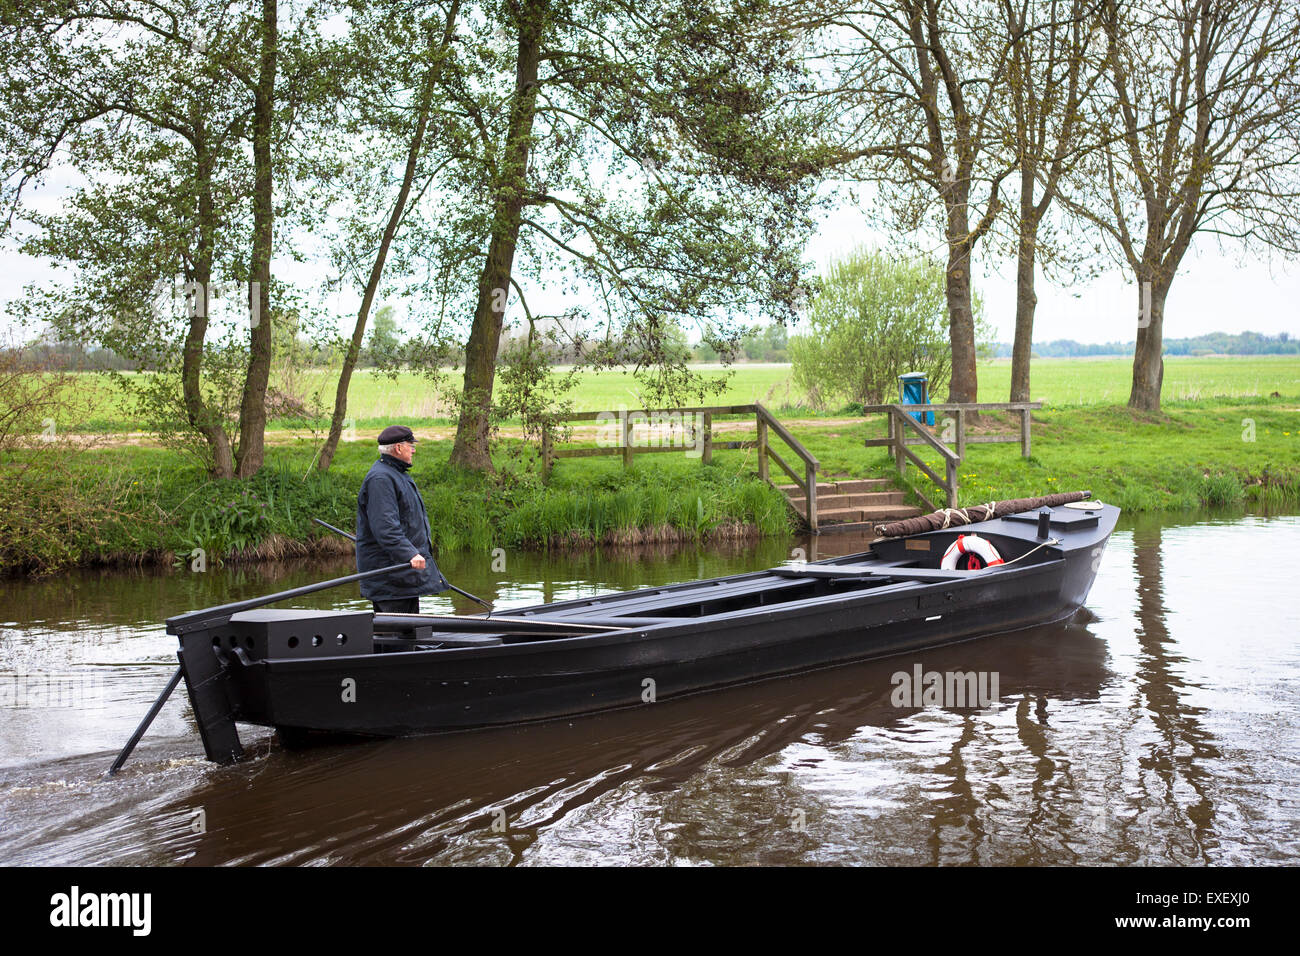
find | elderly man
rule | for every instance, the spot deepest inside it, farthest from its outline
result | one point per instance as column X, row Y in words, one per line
column 393, row 527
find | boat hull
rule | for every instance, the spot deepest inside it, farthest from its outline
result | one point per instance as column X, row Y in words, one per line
column 694, row 644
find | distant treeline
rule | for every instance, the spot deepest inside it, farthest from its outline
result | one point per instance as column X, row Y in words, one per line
column 758, row 345
column 1215, row 343
column 387, row 347
column 68, row 356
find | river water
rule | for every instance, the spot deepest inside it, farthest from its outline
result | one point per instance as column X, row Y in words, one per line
column 1158, row 727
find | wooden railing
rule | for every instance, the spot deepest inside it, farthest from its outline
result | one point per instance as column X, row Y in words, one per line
column 698, row 421
column 904, row 431
column 900, row 421
column 809, row 483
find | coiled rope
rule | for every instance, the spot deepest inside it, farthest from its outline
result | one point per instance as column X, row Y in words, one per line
column 962, row 515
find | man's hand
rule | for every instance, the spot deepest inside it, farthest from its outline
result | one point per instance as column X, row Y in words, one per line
column 418, row 561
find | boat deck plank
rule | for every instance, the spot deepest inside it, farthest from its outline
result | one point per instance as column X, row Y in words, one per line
column 658, row 599
column 925, row 575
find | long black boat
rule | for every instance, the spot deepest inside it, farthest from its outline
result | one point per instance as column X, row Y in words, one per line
column 309, row 673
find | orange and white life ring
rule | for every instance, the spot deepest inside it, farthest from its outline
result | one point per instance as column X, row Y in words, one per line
column 970, row 552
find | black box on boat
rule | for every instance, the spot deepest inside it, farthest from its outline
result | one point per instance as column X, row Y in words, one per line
column 265, row 633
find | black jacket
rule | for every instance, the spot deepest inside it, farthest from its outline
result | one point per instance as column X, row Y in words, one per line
column 392, row 528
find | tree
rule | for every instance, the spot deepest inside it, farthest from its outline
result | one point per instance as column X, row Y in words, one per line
column 873, row 318
column 1050, row 77
column 171, row 113
column 766, row 343
column 704, row 351
column 914, row 92
column 163, row 168
column 252, row 409
column 405, row 47
column 639, row 153
column 1200, row 122
column 384, row 338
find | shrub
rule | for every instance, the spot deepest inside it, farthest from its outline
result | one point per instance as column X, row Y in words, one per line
column 874, row 317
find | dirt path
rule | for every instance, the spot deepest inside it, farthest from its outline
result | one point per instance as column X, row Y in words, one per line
column 440, row 433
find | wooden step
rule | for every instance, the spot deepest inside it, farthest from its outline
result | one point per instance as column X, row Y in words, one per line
column 862, row 485
column 871, row 514
column 853, row 503
column 850, row 501
column 849, row 486
column 837, row 515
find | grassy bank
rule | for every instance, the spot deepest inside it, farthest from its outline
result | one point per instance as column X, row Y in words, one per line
column 1196, row 454
column 1245, row 454
column 138, row 504
column 132, row 505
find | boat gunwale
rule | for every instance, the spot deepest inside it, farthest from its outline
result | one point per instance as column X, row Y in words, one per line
column 1055, row 558
column 793, row 610
column 1019, row 531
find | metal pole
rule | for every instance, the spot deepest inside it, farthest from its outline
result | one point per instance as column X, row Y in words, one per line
column 196, row 620
column 350, row 537
column 144, row 724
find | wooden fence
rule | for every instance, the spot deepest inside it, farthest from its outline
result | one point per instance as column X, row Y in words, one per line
column 902, row 426
column 697, row 423
column 692, row 429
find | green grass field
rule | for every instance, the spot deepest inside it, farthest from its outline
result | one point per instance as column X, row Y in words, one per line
column 1057, row 382
column 1105, row 381
column 410, row 398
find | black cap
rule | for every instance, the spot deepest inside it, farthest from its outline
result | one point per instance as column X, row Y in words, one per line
column 395, row 434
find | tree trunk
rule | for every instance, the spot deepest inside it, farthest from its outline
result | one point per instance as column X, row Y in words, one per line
column 377, row 270
column 200, row 417
column 961, row 315
column 252, row 410
column 1148, row 359
column 1026, row 303
column 472, row 430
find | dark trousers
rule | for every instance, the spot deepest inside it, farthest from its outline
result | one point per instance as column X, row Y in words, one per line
column 397, row 606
